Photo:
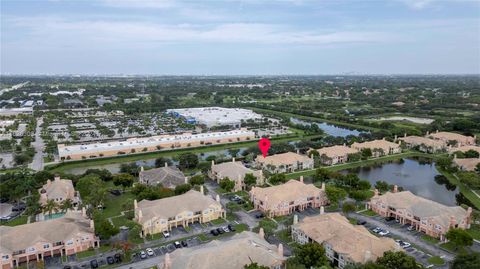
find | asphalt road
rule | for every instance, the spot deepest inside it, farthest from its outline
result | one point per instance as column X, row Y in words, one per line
column 38, row 145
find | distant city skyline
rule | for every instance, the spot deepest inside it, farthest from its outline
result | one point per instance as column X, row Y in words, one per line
column 247, row 37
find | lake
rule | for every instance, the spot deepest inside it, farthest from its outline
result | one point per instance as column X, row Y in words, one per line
column 416, row 176
column 329, row 129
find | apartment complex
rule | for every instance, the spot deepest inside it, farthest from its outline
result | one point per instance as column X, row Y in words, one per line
column 447, row 137
column 235, row 171
column 58, row 190
column 464, row 149
column 466, row 164
column 424, row 144
column 149, row 144
column 216, row 116
column 242, row 249
column 344, row 243
column 181, row 210
column 286, row 198
column 167, row 176
column 424, row 215
column 284, row 163
column 32, row 242
column 378, row 147
column 335, row 154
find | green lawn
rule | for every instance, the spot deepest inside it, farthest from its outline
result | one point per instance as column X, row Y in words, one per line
column 435, row 260
column 463, row 189
column 114, row 204
column 217, row 221
column 92, row 251
column 450, row 247
column 285, row 236
column 369, row 213
column 474, row 231
column 430, row 239
column 18, row 221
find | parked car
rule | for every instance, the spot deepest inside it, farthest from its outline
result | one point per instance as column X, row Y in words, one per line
column 214, row 232
column 389, row 218
column 150, row 252
column 94, row 264
column 143, row 255
column 220, row 231
column 410, row 228
column 241, row 202
column 377, row 230
column 19, row 207
column 383, row 232
column 118, row 257
column 184, row 243
column 67, row 267
column 361, row 222
column 231, row 227
column 177, row 244
column 110, row 260
column 403, row 244
column 166, row 234
column 225, row 229
column 259, row 215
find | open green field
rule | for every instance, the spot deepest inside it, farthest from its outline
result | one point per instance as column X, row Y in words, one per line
column 474, row 199
column 18, row 221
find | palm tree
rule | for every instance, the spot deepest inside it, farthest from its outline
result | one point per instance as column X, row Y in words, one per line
column 50, row 206
column 66, row 205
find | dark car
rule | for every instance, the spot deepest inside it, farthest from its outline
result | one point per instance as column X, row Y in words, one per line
column 118, row 257
column 177, row 244
column 94, row 264
column 389, row 218
column 184, row 244
column 240, row 202
column 220, row 230
column 214, row 232
column 259, row 215
column 231, row 228
column 116, row 192
column 110, row 260
column 3, row 200
column 67, row 267
column 19, row 207
column 361, row 222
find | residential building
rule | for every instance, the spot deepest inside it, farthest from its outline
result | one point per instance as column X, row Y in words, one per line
column 378, row 147
column 167, row 176
column 344, row 242
column 216, row 116
column 424, row 144
column 466, row 164
column 235, row 171
column 335, row 154
column 181, row 210
column 448, row 137
column 286, row 198
column 284, row 162
column 424, row 215
column 58, row 190
column 70, row 234
column 464, row 149
column 149, row 144
column 240, row 250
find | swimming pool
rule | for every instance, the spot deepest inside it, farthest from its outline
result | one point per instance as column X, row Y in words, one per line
column 53, row 216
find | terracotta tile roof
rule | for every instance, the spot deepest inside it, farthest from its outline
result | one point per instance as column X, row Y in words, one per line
column 467, row 164
column 233, row 169
column 451, row 136
column 335, row 151
column 465, row 149
column 381, row 144
column 282, row 158
column 419, row 140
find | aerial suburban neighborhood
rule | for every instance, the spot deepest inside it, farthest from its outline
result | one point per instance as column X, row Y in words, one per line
column 170, row 134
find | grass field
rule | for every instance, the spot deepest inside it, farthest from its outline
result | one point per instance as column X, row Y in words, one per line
column 430, row 239
column 435, row 260
column 18, row 221
column 475, row 200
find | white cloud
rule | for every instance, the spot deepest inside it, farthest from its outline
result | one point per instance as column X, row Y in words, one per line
column 417, row 4
column 158, row 4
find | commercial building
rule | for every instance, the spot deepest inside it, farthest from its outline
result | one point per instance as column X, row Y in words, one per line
column 181, row 210
column 424, row 215
column 149, row 144
column 448, row 137
column 344, row 243
column 235, row 171
column 335, row 154
column 284, row 163
column 58, row 190
column 35, row 241
column 216, row 116
column 167, row 176
column 286, row 198
column 16, row 111
column 424, row 144
column 378, row 147
column 240, row 250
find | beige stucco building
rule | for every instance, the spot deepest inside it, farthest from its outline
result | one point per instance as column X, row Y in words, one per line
column 235, row 171
column 149, row 144
column 466, row 164
column 424, row 144
column 379, row 147
column 289, row 197
column 33, row 242
column 461, row 140
column 181, row 210
column 424, row 215
column 335, row 154
column 58, row 190
column 464, row 149
column 344, row 243
column 284, row 162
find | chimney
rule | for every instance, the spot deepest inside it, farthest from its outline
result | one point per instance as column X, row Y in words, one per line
column 140, row 215
column 323, row 186
column 135, row 204
column 261, row 177
column 383, row 138
column 233, row 159
column 344, row 144
column 141, row 169
column 368, row 256
column 166, row 164
column 280, row 250
column 395, row 188
column 213, row 163
column 454, row 156
column 186, row 180
column 295, row 219
column 375, row 193
column 217, row 198
column 167, row 264
column 201, row 189
column 322, row 210
column 261, row 233
column 49, row 182
column 428, row 132
column 84, row 212
column 298, row 151
column 452, row 221
column 56, row 178
column 395, row 139
column 405, row 135
column 436, row 131
column 92, row 224
column 301, row 179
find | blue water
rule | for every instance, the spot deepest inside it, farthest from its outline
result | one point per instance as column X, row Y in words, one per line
column 54, row 216
column 329, row 129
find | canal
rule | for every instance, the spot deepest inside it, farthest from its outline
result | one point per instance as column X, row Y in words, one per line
column 329, row 129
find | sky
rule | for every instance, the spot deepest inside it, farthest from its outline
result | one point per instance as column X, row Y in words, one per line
column 249, row 37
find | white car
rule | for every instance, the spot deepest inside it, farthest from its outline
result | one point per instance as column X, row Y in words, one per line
column 150, row 252
column 166, row 234
column 143, row 255
column 410, row 228
column 383, row 232
column 403, row 244
column 225, row 228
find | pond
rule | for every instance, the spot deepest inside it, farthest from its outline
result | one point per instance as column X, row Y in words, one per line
column 417, row 176
column 329, row 129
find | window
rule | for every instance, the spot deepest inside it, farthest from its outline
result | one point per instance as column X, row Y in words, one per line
column 69, row 242
column 5, row 257
column 46, row 246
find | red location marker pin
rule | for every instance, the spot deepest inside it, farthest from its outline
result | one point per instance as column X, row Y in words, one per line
column 264, row 145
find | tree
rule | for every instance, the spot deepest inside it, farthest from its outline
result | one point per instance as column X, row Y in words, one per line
column 130, row 168
column 397, row 260
column 335, row 194
column 124, row 180
column 227, row 184
column 104, row 174
column 471, row 154
column 188, row 160
column 92, row 189
column 382, row 186
column 66, row 205
column 254, row 265
column 105, row 229
column 466, row 261
column 182, row 188
column 445, row 163
column 459, row 237
column 249, row 179
column 366, row 153
column 322, row 174
column 277, row 179
column 197, row 180
column 160, row 162
column 477, row 168
column 348, row 207
column 50, row 206
column 311, row 255
column 233, row 152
